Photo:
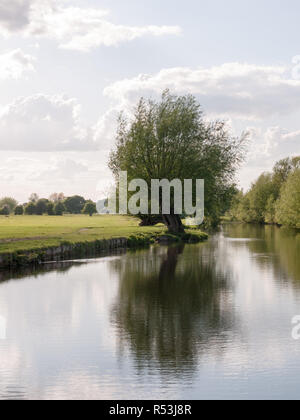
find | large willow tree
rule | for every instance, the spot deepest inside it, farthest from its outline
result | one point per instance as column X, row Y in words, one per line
column 170, row 139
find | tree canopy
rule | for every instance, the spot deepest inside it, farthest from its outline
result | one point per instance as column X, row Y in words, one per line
column 30, row 209
column 274, row 198
column 170, row 139
column 59, row 208
column 19, row 210
column 9, row 202
column 41, row 206
column 90, row 208
column 288, row 207
column 75, row 204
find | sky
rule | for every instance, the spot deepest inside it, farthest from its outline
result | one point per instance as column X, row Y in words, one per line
column 68, row 67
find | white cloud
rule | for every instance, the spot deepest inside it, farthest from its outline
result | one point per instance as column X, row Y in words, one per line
column 59, row 169
column 14, row 64
column 73, row 28
column 240, row 92
column 44, row 123
column 232, row 89
column 273, row 144
column 237, row 92
column 106, row 126
column 44, row 173
column 14, row 15
column 267, row 146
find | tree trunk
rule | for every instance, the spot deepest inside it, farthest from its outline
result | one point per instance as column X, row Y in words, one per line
column 173, row 223
column 169, row 264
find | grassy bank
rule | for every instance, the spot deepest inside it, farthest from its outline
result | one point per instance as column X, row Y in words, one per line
column 29, row 239
column 34, row 232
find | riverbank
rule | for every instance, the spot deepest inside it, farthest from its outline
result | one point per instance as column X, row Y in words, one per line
column 26, row 240
column 226, row 220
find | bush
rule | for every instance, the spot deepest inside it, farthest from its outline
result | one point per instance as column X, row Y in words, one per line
column 90, row 208
column 30, row 209
column 75, row 204
column 41, row 206
column 4, row 211
column 50, row 209
column 19, row 210
column 59, row 209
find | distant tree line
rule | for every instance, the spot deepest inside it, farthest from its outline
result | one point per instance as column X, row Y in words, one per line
column 273, row 199
column 55, row 205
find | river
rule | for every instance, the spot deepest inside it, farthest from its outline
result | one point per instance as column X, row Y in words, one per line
column 207, row 321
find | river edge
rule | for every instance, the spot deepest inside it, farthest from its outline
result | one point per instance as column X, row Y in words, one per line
column 67, row 250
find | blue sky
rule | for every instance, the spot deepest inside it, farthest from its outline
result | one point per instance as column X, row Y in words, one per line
column 67, row 67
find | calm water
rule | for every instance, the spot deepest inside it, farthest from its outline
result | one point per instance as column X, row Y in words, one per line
column 191, row 322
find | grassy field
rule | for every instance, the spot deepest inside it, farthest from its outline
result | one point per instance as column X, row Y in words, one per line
column 34, row 232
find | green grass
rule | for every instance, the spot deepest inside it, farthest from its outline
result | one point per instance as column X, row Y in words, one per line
column 35, row 232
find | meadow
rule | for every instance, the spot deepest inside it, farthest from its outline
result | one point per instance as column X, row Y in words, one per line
column 18, row 233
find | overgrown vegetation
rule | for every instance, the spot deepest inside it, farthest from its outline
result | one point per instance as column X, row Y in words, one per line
column 273, row 199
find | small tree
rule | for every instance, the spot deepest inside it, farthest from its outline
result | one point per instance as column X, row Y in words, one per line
column 50, row 209
column 41, row 206
column 19, row 210
column 261, row 195
column 4, row 211
column 59, row 209
column 30, row 209
column 11, row 203
column 90, row 208
column 75, row 204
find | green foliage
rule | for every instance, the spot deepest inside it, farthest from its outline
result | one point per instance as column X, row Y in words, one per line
column 171, row 140
column 4, row 211
column 50, row 209
column 75, row 204
column 282, row 170
column 89, row 208
column 273, row 198
column 270, row 210
column 195, row 237
column 19, row 210
column 11, row 203
column 259, row 196
column 139, row 240
column 288, row 206
column 30, row 209
column 41, row 206
column 59, row 209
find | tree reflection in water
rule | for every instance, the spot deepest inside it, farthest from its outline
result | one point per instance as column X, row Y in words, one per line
column 173, row 304
column 274, row 248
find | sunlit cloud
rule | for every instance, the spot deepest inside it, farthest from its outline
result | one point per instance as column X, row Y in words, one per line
column 73, row 28
column 15, row 64
column 44, row 123
column 232, row 89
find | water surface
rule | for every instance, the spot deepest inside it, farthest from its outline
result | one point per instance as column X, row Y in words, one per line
column 187, row 322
